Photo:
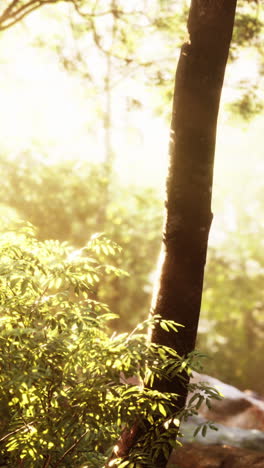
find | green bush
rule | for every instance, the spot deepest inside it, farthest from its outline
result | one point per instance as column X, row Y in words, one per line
column 84, row 200
column 64, row 399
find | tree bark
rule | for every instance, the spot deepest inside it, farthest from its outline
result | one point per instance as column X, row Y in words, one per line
column 198, row 85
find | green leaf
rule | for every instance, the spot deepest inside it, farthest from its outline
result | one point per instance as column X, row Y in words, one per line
column 124, row 464
column 164, row 326
column 162, row 409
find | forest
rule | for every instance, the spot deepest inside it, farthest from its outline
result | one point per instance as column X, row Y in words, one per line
column 132, row 230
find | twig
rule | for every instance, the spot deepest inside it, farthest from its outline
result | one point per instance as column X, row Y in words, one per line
column 16, row 430
column 9, row 18
column 47, row 462
column 73, row 446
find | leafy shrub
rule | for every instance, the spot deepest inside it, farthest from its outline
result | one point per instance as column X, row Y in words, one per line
column 64, row 399
column 85, row 200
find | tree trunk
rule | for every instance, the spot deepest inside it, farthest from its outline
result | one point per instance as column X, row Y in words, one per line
column 198, row 85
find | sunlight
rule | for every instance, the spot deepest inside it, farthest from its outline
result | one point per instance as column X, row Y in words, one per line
column 83, row 154
column 44, row 107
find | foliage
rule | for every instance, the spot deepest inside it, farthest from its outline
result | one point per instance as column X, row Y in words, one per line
column 63, row 199
column 233, row 300
column 248, row 25
column 249, row 103
column 248, row 33
column 63, row 392
column 67, row 202
column 115, row 31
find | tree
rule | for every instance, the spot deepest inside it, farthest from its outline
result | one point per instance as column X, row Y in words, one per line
column 174, row 232
column 199, row 81
column 198, row 85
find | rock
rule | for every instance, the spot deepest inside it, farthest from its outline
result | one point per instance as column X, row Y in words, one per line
column 251, row 439
column 214, row 456
column 236, row 409
column 239, row 418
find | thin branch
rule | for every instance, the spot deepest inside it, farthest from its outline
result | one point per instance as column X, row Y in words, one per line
column 9, row 14
column 9, row 8
column 73, row 446
column 115, row 11
column 88, row 15
column 38, row 300
column 9, row 18
column 16, row 431
column 46, row 462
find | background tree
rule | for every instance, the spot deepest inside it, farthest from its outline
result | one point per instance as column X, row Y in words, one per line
column 235, row 266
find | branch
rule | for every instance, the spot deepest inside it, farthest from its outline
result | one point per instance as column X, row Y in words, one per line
column 16, row 431
column 9, row 8
column 73, row 446
column 47, row 462
column 10, row 17
column 100, row 13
